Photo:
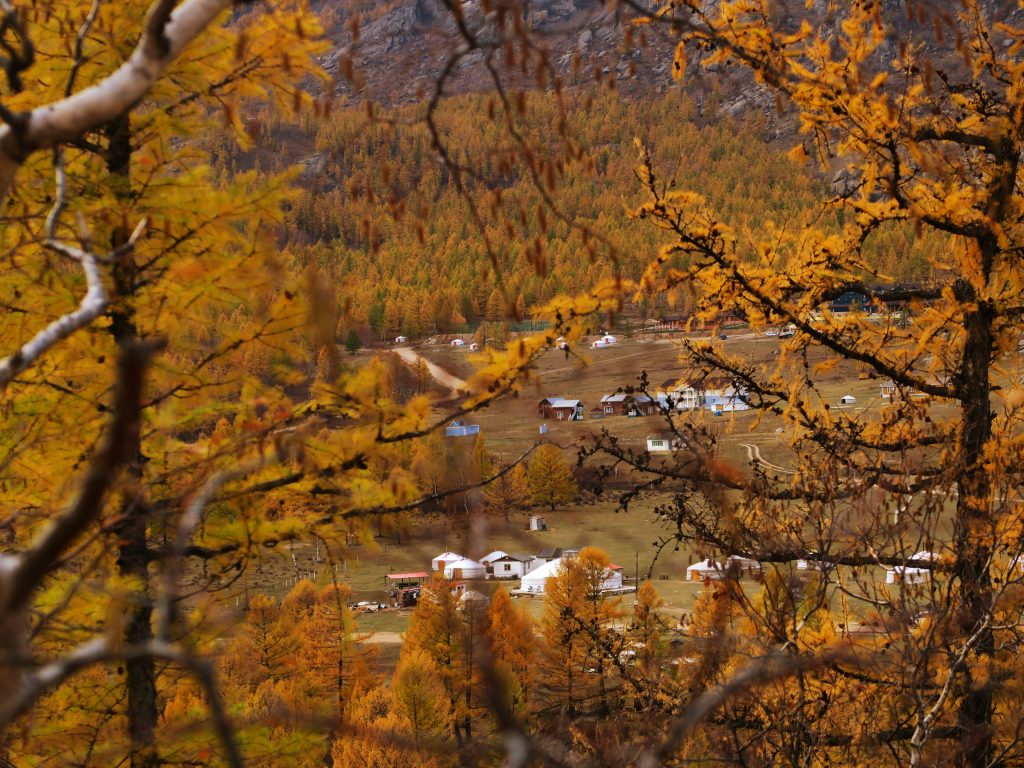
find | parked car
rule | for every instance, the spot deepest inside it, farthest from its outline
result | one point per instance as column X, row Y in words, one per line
column 723, row 336
column 771, row 333
column 787, row 334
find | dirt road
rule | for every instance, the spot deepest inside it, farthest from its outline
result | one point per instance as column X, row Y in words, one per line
column 754, row 454
column 441, row 376
column 385, row 638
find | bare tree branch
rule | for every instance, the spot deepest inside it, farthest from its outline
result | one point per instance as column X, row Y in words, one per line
column 93, row 303
column 190, row 519
column 33, row 565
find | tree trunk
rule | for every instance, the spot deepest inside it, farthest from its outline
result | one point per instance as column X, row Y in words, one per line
column 973, row 552
column 130, row 529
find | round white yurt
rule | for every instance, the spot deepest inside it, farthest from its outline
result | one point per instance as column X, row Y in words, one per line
column 457, row 342
column 465, row 569
column 442, row 560
column 705, row 569
column 535, row 580
column 471, row 596
column 612, row 580
column 400, row 339
column 609, row 339
column 598, row 344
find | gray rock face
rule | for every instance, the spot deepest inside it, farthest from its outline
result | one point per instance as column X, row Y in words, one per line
column 404, row 47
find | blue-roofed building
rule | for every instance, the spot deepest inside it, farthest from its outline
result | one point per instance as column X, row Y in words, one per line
column 461, row 429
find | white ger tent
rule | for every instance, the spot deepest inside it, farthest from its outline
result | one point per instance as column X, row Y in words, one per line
column 705, row 569
column 535, row 580
column 465, row 569
column 441, row 561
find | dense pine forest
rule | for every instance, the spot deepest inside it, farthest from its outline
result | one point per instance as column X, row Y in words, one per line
column 383, row 218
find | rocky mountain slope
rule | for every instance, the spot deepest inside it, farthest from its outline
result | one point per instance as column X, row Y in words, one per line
column 403, row 47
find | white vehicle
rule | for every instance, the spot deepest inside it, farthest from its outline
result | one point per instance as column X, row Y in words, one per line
column 771, row 333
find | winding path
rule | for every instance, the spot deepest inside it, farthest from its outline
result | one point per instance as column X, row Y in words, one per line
column 441, row 376
column 754, row 455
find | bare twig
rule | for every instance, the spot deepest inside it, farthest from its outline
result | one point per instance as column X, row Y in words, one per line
column 83, row 32
column 190, row 519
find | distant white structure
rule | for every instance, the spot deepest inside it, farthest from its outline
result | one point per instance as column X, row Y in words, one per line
column 457, row 342
column 887, row 389
column 908, row 574
column 538, row 523
column 609, row 339
column 684, row 397
column 474, row 347
column 847, row 400
column 726, row 400
column 472, row 597
column 902, row 574
column 663, row 443
column 441, row 561
column 510, row 566
column 812, row 565
column 465, row 569
column 488, row 559
column 598, row 344
column 535, row 581
column 716, row 570
column 401, row 340
column 705, row 569
column 745, row 565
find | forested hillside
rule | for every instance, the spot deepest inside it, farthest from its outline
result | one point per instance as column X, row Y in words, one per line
column 221, row 516
column 384, row 218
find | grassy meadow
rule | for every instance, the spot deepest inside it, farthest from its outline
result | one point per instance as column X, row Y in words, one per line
column 510, row 427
